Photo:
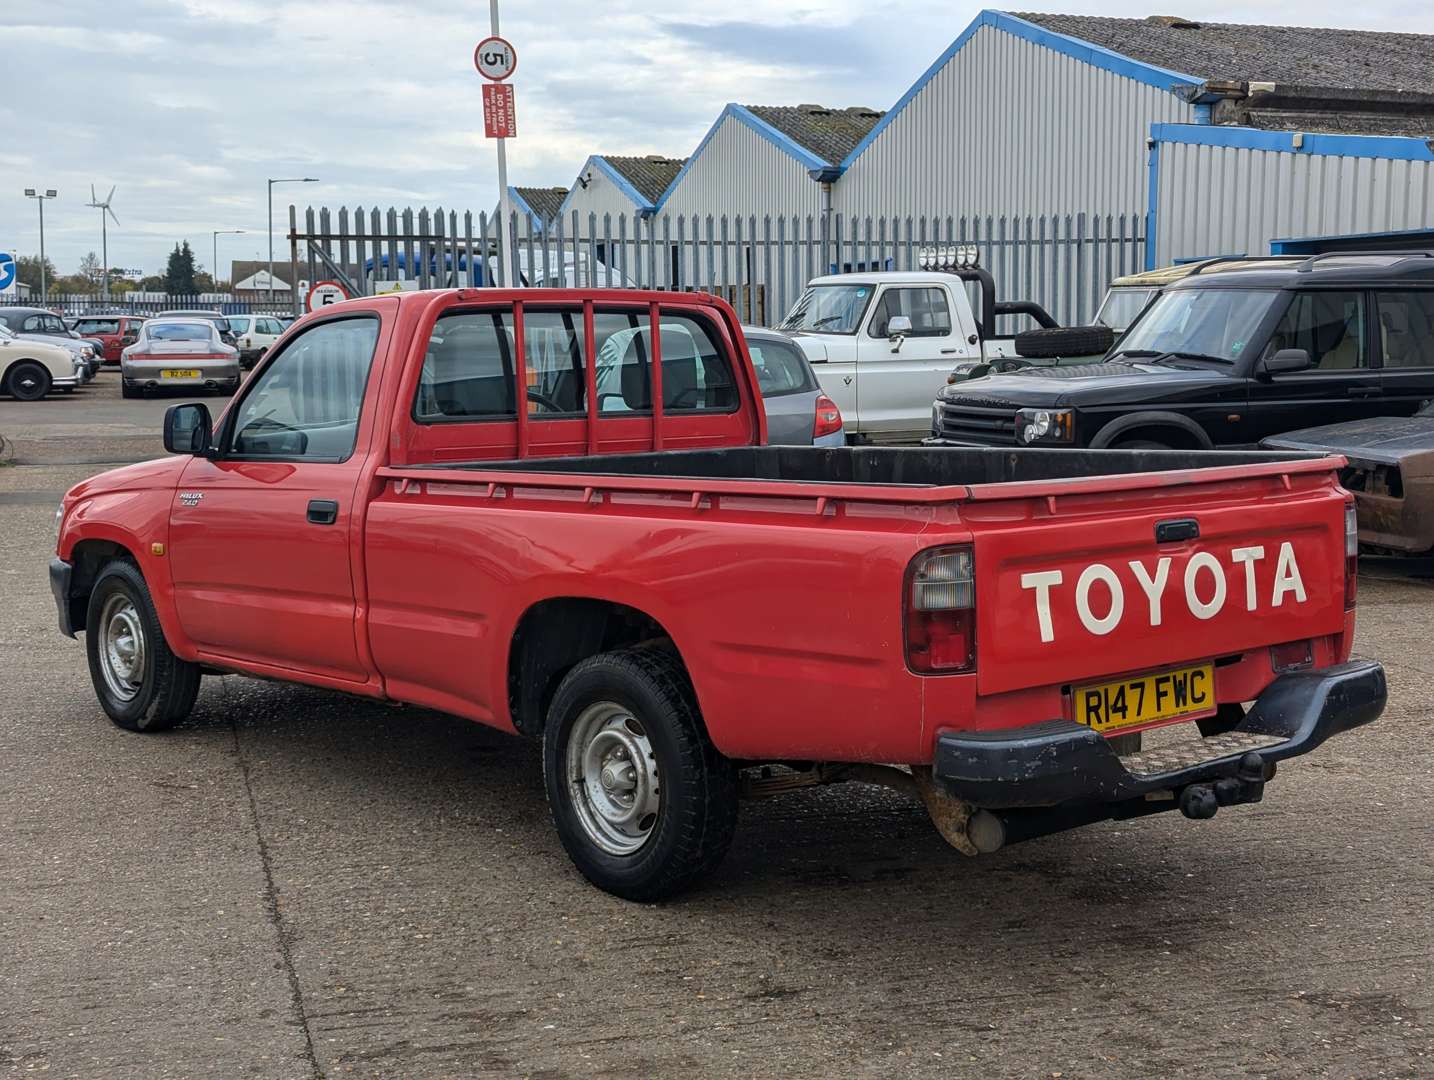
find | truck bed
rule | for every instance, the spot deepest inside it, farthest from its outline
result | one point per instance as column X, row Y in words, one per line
column 907, row 467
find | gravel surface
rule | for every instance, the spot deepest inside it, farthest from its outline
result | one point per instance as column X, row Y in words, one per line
column 299, row 884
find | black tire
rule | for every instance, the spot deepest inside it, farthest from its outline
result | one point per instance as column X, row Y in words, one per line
column 1065, row 341
column 28, row 381
column 128, row 391
column 164, row 686
column 1142, row 444
column 693, row 823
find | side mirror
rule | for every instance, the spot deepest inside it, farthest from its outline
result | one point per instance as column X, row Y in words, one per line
column 897, row 327
column 1285, row 360
column 188, row 429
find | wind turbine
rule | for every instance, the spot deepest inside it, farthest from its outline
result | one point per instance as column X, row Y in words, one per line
column 104, row 208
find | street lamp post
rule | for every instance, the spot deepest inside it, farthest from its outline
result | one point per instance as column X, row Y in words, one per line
column 40, row 197
column 294, row 180
column 214, row 272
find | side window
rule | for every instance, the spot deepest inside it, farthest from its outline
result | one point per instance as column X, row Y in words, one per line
column 33, row 324
column 467, row 370
column 1406, row 328
column 781, row 368
column 306, row 403
column 1327, row 325
column 271, row 326
column 926, row 308
column 696, row 376
column 55, row 325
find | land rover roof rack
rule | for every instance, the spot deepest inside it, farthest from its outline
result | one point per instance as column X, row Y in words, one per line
column 1308, row 265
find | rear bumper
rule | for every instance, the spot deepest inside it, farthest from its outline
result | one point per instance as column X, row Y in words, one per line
column 1061, row 762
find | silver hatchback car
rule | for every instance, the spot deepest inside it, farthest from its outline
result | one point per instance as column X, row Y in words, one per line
column 179, row 354
column 798, row 413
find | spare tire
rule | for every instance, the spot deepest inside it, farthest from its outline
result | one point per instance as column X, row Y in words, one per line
column 1065, row 341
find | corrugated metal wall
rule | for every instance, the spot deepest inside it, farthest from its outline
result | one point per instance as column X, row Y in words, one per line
column 740, row 172
column 600, row 197
column 1011, row 127
column 1220, row 200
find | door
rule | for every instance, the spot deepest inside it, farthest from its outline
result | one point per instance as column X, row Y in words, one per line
column 1341, row 384
column 261, row 536
column 897, row 380
column 1405, row 336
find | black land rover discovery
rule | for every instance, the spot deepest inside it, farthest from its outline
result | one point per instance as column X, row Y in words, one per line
column 1225, row 360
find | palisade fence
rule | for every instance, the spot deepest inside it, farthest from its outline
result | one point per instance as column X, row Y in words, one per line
column 759, row 263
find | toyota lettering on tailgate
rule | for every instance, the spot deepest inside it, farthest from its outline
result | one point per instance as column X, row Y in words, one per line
column 1201, row 586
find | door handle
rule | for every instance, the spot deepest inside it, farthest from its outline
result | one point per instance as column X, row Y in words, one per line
column 323, row 511
column 1362, row 391
column 948, row 352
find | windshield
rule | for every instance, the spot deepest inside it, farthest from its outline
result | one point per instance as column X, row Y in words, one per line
column 829, row 309
column 1122, row 306
column 1216, row 323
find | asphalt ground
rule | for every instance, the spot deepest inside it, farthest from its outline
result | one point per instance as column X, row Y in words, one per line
column 299, row 884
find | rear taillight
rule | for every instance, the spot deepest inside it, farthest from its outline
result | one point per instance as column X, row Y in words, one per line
column 828, row 417
column 1351, row 556
column 941, row 611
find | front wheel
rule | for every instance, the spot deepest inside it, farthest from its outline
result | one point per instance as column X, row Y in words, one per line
column 141, row 684
column 643, row 802
column 28, row 381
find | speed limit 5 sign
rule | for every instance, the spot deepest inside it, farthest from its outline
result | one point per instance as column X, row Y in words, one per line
column 495, row 58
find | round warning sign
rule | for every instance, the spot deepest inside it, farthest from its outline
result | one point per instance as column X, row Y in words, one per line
column 495, row 58
column 325, row 293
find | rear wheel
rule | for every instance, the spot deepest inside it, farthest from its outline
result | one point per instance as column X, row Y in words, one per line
column 126, row 390
column 643, row 802
column 1141, row 444
column 141, row 684
column 28, row 381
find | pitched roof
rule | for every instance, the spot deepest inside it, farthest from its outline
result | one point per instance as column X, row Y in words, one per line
column 828, row 133
column 545, row 202
column 1294, row 55
column 650, row 174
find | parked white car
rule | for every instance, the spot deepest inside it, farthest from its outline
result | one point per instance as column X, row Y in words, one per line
column 254, row 335
column 31, row 369
column 882, row 344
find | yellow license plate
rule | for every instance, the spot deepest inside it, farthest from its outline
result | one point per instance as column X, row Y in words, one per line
column 178, row 373
column 1146, row 699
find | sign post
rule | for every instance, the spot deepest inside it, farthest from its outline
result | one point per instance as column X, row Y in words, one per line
column 496, row 59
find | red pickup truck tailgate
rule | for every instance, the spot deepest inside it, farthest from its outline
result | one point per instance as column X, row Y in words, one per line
column 1073, row 583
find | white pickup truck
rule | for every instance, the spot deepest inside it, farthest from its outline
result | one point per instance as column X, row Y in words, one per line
column 882, row 344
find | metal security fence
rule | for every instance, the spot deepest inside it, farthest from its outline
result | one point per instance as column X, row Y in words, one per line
column 83, row 304
column 759, row 263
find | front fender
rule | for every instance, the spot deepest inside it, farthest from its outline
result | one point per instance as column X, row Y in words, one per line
column 138, row 522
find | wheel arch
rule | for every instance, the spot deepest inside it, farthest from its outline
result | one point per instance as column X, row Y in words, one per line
column 1153, row 422
column 555, row 634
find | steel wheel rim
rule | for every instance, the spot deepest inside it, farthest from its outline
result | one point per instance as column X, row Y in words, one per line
column 122, row 649
column 612, row 774
column 25, row 383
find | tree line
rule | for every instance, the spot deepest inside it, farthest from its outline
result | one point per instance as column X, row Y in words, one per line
column 182, row 277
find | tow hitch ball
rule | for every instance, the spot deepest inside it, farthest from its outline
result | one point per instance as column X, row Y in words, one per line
column 1199, row 802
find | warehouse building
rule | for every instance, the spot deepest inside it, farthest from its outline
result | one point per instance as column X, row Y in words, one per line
column 618, row 186
column 1211, row 138
column 768, row 160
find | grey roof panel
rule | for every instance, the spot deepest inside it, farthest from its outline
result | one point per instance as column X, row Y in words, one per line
column 651, row 174
column 543, row 201
column 830, row 134
column 1302, row 55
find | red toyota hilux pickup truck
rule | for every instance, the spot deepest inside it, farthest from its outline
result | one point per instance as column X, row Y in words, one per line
column 551, row 512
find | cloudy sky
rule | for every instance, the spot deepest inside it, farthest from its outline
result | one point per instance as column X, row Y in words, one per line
column 187, row 106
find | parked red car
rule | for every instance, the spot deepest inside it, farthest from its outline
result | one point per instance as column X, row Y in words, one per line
column 114, row 332
column 551, row 512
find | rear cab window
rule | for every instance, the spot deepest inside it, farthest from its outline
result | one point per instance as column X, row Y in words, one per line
column 475, row 397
